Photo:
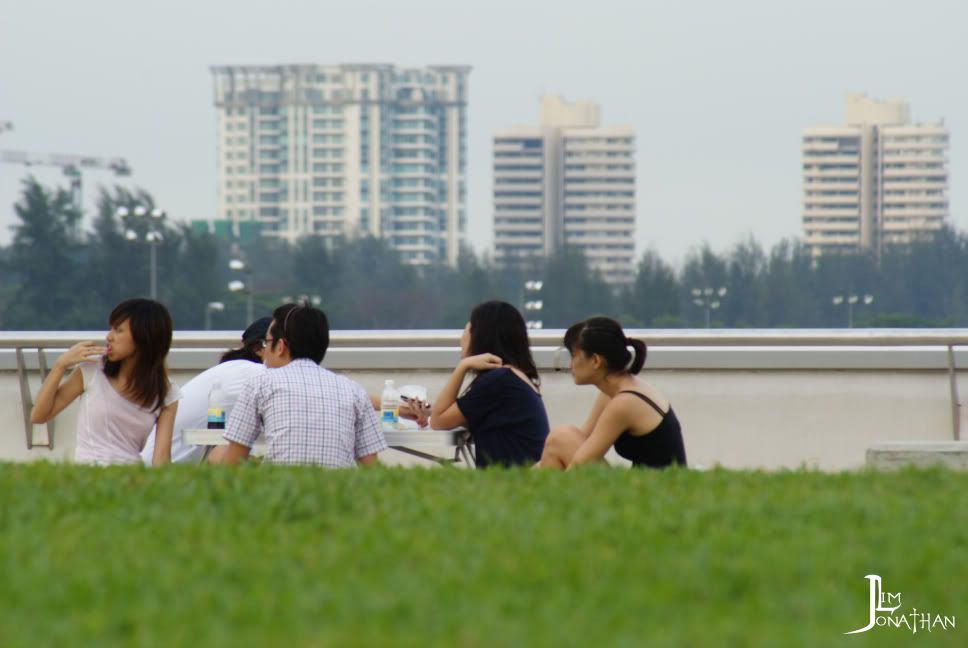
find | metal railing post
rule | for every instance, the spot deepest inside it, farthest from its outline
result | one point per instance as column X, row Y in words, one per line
column 955, row 405
column 26, row 401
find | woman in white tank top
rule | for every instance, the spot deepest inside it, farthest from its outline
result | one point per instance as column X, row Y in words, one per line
column 123, row 387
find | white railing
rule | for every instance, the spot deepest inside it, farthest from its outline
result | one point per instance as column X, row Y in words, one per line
column 693, row 361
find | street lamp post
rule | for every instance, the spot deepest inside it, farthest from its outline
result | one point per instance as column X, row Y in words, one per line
column 850, row 300
column 533, row 306
column 239, row 265
column 212, row 307
column 709, row 299
column 153, row 237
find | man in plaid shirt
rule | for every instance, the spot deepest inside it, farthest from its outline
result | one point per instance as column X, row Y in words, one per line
column 308, row 414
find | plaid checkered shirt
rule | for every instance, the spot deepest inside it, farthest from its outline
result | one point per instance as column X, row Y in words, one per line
column 309, row 416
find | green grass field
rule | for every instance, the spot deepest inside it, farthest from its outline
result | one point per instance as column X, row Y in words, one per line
column 262, row 556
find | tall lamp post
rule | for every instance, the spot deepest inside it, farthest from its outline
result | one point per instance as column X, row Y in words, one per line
column 212, row 307
column 533, row 306
column 153, row 237
column 850, row 300
column 238, row 265
column 709, row 299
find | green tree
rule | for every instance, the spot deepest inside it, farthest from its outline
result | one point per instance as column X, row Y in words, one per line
column 703, row 269
column 44, row 259
column 653, row 298
column 572, row 291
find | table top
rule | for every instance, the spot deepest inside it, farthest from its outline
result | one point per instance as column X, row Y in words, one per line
column 406, row 438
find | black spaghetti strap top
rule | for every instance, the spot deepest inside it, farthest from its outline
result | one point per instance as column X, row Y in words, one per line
column 659, row 448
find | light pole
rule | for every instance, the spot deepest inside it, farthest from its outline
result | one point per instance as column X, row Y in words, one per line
column 532, row 306
column 239, row 265
column 212, row 307
column 153, row 237
column 708, row 298
column 851, row 300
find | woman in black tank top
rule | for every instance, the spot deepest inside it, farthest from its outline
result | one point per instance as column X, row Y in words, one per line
column 628, row 413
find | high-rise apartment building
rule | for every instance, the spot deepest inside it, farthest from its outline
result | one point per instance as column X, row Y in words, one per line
column 567, row 182
column 340, row 150
column 876, row 180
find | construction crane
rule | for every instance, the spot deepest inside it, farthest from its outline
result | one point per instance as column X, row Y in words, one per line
column 72, row 166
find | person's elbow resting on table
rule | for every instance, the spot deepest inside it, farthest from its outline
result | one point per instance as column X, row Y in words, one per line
column 230, row 454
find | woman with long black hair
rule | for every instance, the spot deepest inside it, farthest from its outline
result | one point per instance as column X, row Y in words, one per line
column 123, row 387
column 628, row 413
column 502, row 407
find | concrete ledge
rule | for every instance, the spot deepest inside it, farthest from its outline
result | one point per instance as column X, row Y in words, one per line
column 951, row 454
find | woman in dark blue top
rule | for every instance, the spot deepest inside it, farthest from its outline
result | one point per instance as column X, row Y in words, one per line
column 628, row 412
column 502, row 407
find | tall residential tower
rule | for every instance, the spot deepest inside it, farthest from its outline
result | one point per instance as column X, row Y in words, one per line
column 567, row 182
column 876, row 180
column 340, row 150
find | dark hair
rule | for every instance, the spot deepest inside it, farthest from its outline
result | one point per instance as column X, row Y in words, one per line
column 605, row 337
column 151, row 327
column 244, row 352
column 305, row 330
column 252, row 338
column 497, row 327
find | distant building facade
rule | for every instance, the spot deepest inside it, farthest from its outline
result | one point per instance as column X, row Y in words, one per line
column 568, row 181
column 875, row 180
column 343, row 150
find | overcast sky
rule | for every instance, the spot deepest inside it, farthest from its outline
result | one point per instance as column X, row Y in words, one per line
column 717, row 91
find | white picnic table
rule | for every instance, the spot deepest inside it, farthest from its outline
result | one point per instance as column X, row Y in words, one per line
column 404, row 440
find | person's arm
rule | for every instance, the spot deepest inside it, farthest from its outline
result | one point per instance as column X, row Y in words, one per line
column 375, row 402
column 445, row 414
column 242, row 427
column 613, row 420
column 369, row 439
column 368, row 460
column 164, row 427
column 53, row 397
column 229, row 455
column 597, row 408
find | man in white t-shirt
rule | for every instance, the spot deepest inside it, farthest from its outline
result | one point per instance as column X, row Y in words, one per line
column 193, row 406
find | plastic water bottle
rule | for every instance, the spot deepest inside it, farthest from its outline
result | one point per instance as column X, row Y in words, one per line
column 389, row 402
column 216, row 407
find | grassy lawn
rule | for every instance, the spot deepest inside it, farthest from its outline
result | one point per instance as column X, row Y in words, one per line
column 262, row 556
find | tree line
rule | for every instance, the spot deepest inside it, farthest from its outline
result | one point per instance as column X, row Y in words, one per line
column 56, row 276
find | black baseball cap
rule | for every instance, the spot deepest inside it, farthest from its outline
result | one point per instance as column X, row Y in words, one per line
column 257, row 330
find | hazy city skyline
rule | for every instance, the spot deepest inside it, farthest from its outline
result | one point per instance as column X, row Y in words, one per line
column 717, row 94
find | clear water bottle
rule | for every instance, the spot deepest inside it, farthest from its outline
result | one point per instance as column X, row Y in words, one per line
column 216, row 407
column 389, row 404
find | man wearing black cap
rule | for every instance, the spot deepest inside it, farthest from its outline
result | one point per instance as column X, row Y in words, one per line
column 234, row 369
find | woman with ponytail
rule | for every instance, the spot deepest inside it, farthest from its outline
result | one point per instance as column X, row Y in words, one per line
column 628, row 412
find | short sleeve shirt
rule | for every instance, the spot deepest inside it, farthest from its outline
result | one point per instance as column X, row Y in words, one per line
column 506, row 417
column 193, row 406
column 308, row 414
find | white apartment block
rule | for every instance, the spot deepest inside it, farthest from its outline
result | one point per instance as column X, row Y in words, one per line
column 342, row 150
column 567, row 182
column 876, row 180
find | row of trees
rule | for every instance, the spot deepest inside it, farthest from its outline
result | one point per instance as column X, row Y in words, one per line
column 54, row 276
